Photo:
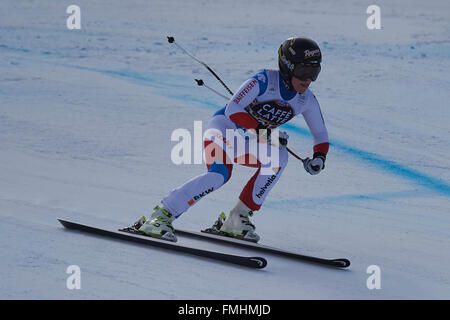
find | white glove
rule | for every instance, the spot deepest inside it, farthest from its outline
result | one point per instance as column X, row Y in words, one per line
column 315, row 165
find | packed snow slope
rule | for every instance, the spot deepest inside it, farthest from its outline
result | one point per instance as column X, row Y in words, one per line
column 86, row 118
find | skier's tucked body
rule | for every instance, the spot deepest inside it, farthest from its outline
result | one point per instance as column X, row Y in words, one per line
column 244, row 132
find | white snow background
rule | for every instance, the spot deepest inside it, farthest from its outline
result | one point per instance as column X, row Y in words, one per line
column 86, row 118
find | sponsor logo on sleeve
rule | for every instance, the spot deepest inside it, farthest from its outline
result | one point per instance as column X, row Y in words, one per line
column 244, row 91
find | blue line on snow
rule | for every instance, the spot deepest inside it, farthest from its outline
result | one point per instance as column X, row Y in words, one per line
column 344, row 199
column 423, row 180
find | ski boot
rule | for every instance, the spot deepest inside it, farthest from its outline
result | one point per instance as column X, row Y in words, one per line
column 159, row 225
column 237, row 225
column 215, row 228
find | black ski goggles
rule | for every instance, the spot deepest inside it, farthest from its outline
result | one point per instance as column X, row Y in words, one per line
column 307, row 71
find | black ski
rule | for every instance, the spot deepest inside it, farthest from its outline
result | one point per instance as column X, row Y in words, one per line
column 340, row 263
column 252, row 262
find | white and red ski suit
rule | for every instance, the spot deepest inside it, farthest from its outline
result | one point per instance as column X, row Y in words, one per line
column 263, row 101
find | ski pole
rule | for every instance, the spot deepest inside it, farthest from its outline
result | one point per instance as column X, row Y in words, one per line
column 295, row 156
column 201, row 83
column 172, row 40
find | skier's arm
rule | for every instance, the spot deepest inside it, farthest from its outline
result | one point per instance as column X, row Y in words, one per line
column 314, row 120
column 316, row 125
column 235, row 109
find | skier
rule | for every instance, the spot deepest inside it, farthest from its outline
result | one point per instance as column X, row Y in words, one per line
column 263, row 102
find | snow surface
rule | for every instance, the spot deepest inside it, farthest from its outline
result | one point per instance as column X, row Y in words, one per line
column 86, row 118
